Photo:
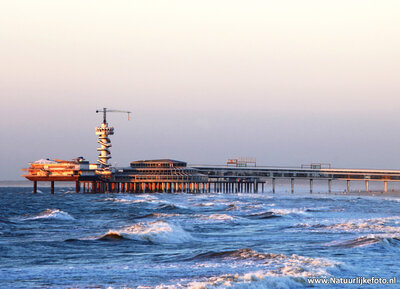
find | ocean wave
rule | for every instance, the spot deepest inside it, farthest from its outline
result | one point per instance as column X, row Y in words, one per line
column 111, row 236
column 51, row 214
column 155, row 232
column 264, row 215
column 231, row 207
column 133, row 199
column 209, row 204
column 319, row 209
column 274, row 213
column 292, row 211
column 221, row 217
column 393, row 199
column 241, row 254
column 382, row 225
column 168, row 206
column 387, row 240
column 272, row 270
column 157, row 215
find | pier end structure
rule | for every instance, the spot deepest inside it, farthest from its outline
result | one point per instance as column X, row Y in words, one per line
column 163, row 175
column 46, row 170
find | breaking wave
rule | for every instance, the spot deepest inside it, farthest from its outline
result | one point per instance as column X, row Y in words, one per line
column 272, row 270
column 51, row 214
column 155, row 232
column 111, row 236
column 293, row 211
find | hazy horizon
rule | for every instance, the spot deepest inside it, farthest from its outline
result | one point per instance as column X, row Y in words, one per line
column 288, row 82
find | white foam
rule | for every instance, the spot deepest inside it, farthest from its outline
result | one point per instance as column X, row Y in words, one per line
column 209, row 204
column 221, row 217
column 358, row 225
column 133, row 199
column 52, row 214
column 292, row 211
column 273, row 271
column 157, row 232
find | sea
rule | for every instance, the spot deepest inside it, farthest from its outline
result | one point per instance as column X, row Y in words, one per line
column 214, row 240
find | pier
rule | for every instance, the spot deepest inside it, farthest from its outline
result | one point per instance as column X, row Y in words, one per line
column 240, row 175
column 171, row 176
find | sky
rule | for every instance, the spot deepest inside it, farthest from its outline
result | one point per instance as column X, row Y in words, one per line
column 287, row 82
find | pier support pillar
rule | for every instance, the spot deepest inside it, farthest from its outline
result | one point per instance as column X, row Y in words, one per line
column 52, row 187
column 35, row 187
column 385, row 186
column 262, row 187
column 367, row 186
column 348, row 186
column 273, row 185
column 77, row 187
column 311, row 186
column 330, row 185
column 292, row 185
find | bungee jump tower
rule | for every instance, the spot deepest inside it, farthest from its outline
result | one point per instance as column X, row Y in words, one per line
column 103, row 131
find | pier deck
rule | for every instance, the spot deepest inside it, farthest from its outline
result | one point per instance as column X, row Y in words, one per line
column 175, row 176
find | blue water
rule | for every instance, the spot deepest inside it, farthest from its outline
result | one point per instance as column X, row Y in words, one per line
column 194, row 241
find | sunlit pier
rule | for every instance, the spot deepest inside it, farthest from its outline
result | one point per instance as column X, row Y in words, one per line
column 240, row 175
column 171, row 176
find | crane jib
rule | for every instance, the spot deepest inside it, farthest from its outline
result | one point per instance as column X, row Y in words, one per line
column 105, row 110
